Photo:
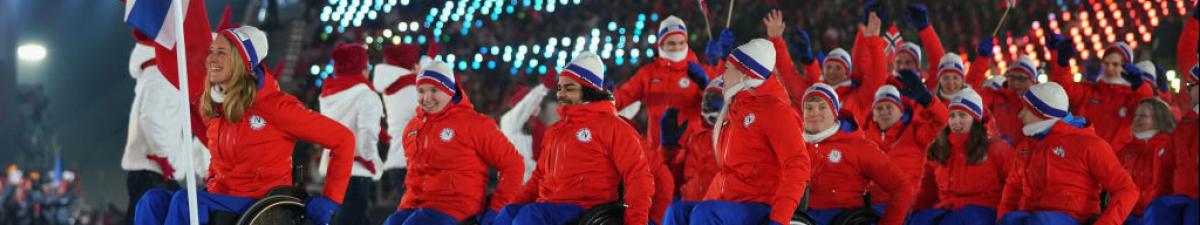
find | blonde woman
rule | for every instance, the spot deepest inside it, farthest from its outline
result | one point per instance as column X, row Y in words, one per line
column 252, row 128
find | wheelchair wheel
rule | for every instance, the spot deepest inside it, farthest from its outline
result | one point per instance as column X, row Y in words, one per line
column 612, row 213
column 856, row 216
column 283, row 205
column 801, row 218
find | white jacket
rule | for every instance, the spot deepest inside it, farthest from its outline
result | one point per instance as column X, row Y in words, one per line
column 155, row 126
column 400, row 106
column 360, row 110
column 512, row 122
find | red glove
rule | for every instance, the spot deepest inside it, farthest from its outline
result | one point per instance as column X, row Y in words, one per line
column 167, row 170
column 366, row 163
column 550, row 79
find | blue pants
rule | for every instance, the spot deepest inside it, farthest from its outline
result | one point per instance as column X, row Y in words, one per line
column 715, row 212
column 823, row 216
column 678, row 212
column 540, row 214
column 1172, row 210
column 967, row 215
column 420, row 216
column 1037, row 218
column 159, row 206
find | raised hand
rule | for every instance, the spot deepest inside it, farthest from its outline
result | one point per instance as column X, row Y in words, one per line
column 774, row 24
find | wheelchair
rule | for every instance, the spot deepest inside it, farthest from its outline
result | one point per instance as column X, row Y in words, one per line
column 282, row 205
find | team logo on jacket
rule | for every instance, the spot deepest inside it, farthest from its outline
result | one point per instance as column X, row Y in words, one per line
column 447, row 134
column 684, row 82
column 257, row 122
column 835, row 156
column 584, row 135
column 1122, row 112
column 1058, row 151
column 749, row 120
column 1161, row 152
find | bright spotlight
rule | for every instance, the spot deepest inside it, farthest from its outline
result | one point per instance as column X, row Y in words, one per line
column 31, row 52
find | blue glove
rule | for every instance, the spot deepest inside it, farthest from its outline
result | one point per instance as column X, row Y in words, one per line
column 1091, row 70
column 913, row 87
column 820, row 58
column 1053, row 39
column 670, row 129
column 697, row 75
column 869, row 7
column 1161, row 80
column 804, row 47
column 320, row 209
column 918, row 16
column 1133, row 75
column 985, row 48
column 719, row 48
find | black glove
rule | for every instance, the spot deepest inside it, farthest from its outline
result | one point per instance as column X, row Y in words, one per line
column 918, row 16
column 697, row 75
column 803, row 46
column 869, row 7
column 1133, row 75
column 670, row 129
column 913, row 87
column 1060, row 44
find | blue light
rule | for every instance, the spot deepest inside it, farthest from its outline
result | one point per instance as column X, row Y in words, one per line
column 641, row 16
column 649, row 53
column 408, row 39
column 512, row 71
column 612, row 26
column 371, row 15
column 542, row 70
column 495, row 50
column 421, row 39
column 525, row 3
column 462, row 65
column 619, row 61
column 314, row 70
column 491, row 64
column 621, row 31
column 478, row 23
column 475, row 65
column 483, row 50
column 654, row 17
column 328, row 29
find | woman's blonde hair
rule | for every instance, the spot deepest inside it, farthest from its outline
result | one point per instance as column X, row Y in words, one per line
column 1160, row 113
column 239, row 95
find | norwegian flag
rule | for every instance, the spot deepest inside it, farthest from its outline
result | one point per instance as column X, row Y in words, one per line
column 894, row 40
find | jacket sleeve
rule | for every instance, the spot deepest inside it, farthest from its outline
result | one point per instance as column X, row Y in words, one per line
column 627, row 155
column 857, row 51
column 514, row 120
column 1165, row 171
column 635, row 88
column 876, row 74
column 1013, row 191
column 366, row 133
column 887, row 175
column 664, row 186
column 929, row 122
column 529, row 192
column 793, row 81
column 977, row 74
column 159, row 118
column 1104, row 168
column 497, row 152
column 1062, row 75
column 1185, row 52
column 933, row 54
column 304, row 124
column 794, row 164
column 927, row 194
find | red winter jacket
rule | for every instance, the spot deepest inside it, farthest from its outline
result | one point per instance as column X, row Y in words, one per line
column 1180, row 172
column 759, row 153
column 870, row 72
column 1141, row 158
column 844, row 164
column 664, row 181
column 1108, row 107
column 960, row 183
column 449, row 153
column 1065, row 171
column 905, row 142
column 933, row 56
column 1004, row 105
column 659, row 85
column 699, row 165
column 586, row 156
column 255, row 154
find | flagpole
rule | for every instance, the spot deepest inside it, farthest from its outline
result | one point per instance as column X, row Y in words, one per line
column 186, row 138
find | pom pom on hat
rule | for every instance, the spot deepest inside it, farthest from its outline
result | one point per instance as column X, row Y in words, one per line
column 755, row 59
column 402, row 55
column 349, row 59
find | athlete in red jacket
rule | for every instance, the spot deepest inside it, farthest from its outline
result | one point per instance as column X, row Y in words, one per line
column 245, row 110
column 904, row 127
column 856, row 82
column 1152, row 123
column 1005, row 102
column 1107, row 103
column 1178, row 183
column 1062, row 168
column 844, row 163
column 449, row 148
column 589, row 154
column 696, row 155
column 969, row 167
